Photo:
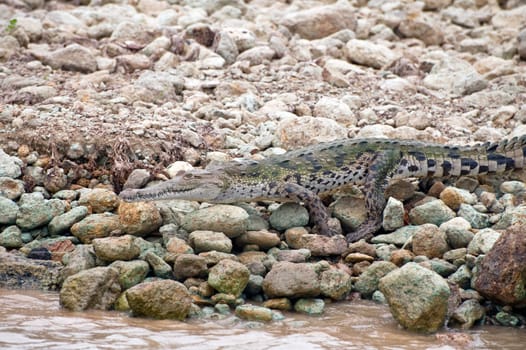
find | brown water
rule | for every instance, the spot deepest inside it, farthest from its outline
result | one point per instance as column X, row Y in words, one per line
column 34, row 320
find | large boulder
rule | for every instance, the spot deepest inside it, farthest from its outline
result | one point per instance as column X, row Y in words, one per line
column 20, row 272
column 417, row 297
column 501, row 275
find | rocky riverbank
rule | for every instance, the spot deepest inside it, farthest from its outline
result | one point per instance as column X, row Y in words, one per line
column 94, row 90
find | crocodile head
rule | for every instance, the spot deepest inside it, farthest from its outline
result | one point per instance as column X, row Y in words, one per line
column 196, row 184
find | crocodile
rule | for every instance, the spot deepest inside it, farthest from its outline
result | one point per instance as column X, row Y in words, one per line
column 303, row 174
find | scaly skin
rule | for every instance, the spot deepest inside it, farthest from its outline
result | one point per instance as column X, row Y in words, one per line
column 301, row 175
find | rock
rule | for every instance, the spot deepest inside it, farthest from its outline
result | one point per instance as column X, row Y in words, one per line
column 501, row 275
column 228, row 219
column 9, row 166
column 461, row 277
column 294, row 255
column 255, row 261
column 401, row 257
column 476, row 219
column 11, row 188
column 254, row 286
column 483, row 241
column 506, row 319
column 257, row 55
column 96, row 288
column 453, row 197
column 522, row 44
column 100, row 200
column 353, row 258
column 8, row 211
column 333, row 108
column 278, row 303
column 189, row 265
column 162, row 299
column 158, row 86
column 11, row 237
column 319, row 22
column 398, row 237
column 368, row 281
column 73, row 57
column 335, row 284
column 293, row 133
column 229, row 277
column 287, row 279
column 226, row 47
column 17, row 272
column 468, row 313
column 457, row 232
column 310, row 306
column 62, row 223
column 423, row 29
column 134, row 33
column 369, row 54
column 243, row 38
column 160, row 267
column 263, row 239
column 289, row 215
column 254, row 313
column 417, row 297
column 350, row 211
column 434, row 212
column 430, row 241
column 82, row 258
column 393, row 216
column 33, row 211
column 177, row 245
column 138, row 178
column 95, row 226
column 139, row 218
column 116, row 248
column 318, row 245
column 131, row 272
column 205, row 241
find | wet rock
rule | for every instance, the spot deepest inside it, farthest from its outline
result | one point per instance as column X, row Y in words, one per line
column 82, row 258
column 20, row 272
column 393, row 216
column 254, row 313
column 292, row 280
column 368, row 281
column 9, row 166
column 278, row 303
column 430, row 241
column 229, row 277
column 501, row 275
column 310, row 306
column 96, row 288
column 254, row 286
column 189, row 265
column 369, row 54
column 139, row 218
column 434, row 212
column 228, row 219
column 100, row 200
column 263, row 239
column 160, row 267
column 8, row 211
column 289, row 215
column 469, row 312
column 131, row 272
column 398, row 237
column 95, row 226
column 318, row 245
column 11, row 188
column 163, row 299
column 116, row 248
column 417, row 297
column 483, row 241
column 335, row 284
column 293, row 133
column 33, row 211
column 350, row 211
column 62, row 223
column 319, row 22
column 11, row 237
column 205, row 241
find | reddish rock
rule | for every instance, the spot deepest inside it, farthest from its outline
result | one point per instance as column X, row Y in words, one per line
column 501, row 276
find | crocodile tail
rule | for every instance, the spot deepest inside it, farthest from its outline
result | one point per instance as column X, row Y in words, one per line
column 504, row 155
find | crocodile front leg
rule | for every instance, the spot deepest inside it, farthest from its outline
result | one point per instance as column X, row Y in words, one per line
column 318, row 211
column 380, row 170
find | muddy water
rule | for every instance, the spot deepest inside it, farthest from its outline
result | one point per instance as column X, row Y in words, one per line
column 34, row 320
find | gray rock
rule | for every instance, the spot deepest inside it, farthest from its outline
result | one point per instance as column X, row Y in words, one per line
column 73, row 57
column 335, row 284
column 483, row 241
column 399, row 237
column 417, row 297
column 369, row 54
column 457, row 232
column 33, row 212
column 423, row 29
column 229, row 277
column 289, row 215
column 228, row 219
column 368, row 281
column 160, row 267
column 292, row 280
column 205, row 241
column 163, row 299
column 468, row 313
column 37, row 93
column 132, row 32
column 8, row 211
column 350, row 211
column 434, row 212
column 62, row 223
column 96, row 288
column 254, row 313
column 393, row 216
column 11, row 188
column 138, row 178
column 461, row 277
column 116, row 248
column 82, row 258
column 11, row 237
column 297, row 132
column 257, row 55
column 226, row 47
column 294, row 255
column 254, row 286
column 442, row 267
column 9, row 166
column 131, row 272
column 17, row 272
column 333, row 108
column 158, row 86
column 189, row 265
column 310, row 306
column 475, row 218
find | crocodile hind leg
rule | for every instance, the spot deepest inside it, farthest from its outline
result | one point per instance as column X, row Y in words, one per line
column 317, row 210
column 379, row 172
